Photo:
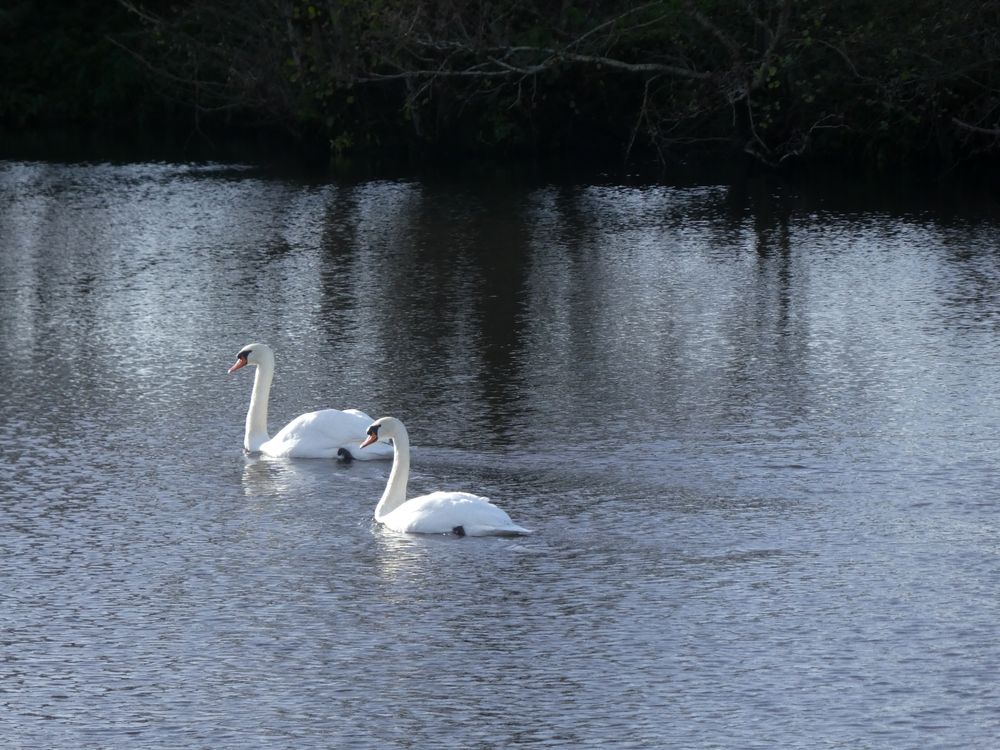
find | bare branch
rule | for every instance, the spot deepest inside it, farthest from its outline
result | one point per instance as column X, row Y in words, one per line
column 975, row 128
column 731, row 46
column 643, row 115
column 611, row 23
column 141, row 13
column 550, row 58
column 843, row 55
column 165, row 74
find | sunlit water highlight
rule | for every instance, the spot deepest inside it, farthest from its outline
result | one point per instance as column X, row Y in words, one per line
column 756, row 433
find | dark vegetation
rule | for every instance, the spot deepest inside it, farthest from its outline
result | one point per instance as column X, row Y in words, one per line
column 879, row 82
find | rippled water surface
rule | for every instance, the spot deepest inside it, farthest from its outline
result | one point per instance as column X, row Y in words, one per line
column 754, row 429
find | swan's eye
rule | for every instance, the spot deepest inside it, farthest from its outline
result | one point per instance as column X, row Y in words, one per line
column 244, row 354
column 373, row 431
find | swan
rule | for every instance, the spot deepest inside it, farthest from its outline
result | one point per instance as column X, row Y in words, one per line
column 458, row 513
column 317, row 434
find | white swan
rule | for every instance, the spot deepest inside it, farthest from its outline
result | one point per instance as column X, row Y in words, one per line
column 439, row 512
column 318, row 434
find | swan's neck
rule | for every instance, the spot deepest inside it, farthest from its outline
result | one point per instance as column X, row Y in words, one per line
column 395, row 488
column 256, row 426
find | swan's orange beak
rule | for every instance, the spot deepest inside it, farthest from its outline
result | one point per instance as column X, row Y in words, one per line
column 370, row 439
column 241, row 362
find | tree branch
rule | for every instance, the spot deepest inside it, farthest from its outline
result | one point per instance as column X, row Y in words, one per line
column 975, row 128
column 551, row 58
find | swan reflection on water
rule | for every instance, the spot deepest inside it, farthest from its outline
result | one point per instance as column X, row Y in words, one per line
column 264, row 477
column 401, row 558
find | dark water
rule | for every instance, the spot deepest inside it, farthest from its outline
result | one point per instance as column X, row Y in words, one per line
column 755, row 430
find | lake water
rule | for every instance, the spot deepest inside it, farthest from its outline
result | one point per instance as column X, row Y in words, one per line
column 756, row 430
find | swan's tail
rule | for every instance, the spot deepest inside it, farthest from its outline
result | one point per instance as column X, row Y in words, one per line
column 471, row 530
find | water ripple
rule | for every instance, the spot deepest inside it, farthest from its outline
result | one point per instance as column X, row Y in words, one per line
column 756, row 441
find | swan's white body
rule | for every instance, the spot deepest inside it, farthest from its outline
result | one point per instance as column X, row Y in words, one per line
column 327, row 433
column 439, row 512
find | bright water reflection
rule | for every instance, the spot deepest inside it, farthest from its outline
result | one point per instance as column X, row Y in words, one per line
column 755, row 430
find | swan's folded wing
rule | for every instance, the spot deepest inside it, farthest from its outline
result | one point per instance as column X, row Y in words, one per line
column 321, row 434
column 444, row 512
column 358, row 412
